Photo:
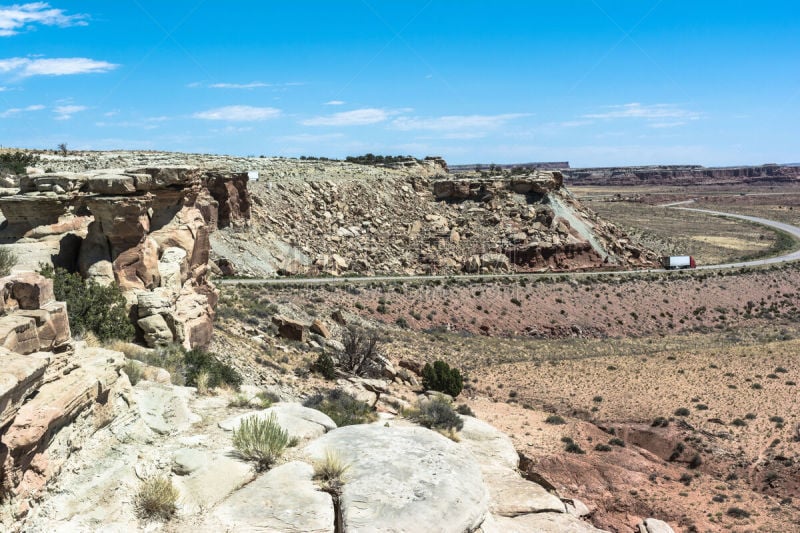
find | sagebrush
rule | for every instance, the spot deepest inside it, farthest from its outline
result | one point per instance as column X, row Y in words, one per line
column 260, row 440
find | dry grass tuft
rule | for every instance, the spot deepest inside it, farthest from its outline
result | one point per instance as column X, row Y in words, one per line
column 157, row 498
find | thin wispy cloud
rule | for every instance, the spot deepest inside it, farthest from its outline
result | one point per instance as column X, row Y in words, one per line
column 252, row 85
column 356, row 117
column 456, row 122
column 149, row 123
column 24, row 67
column 239, row 113
column 17, row 110
column 654, row 111
column 17, row 18
column 335, row 102
column 65, row 112
column 243, row 86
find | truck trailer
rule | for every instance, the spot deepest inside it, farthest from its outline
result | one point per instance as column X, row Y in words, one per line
column 675, row 262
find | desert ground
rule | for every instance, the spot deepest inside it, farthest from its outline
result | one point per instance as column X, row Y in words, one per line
column 678, row 388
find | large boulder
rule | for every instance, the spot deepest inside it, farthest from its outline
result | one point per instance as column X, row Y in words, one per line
column 298, row 421
column 404, row 479
column 156, row 330
column 284, row 499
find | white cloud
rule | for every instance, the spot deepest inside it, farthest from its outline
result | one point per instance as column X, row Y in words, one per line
column 335, row 102
column 455, row 122
column 17, row 110
column 3, row 89
column 239, row 113
column 19, row 17
column 253, row 85
column 25, row 67
column 650, row 112
column 357, row 117
column 65, row 112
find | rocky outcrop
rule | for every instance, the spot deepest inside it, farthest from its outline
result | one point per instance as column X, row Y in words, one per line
column 484, row 189
column 146, row 229
column 316, row 217
column 46, row 384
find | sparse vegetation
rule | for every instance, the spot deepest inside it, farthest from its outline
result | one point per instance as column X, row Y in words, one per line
column 7, row 261
column 324, row 366
column 342, row 408
column 157, row 498
column 260, row 440
column 555, row 420
column 331, row 472
column 437, row 413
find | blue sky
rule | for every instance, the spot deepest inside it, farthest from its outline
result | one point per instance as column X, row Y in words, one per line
column 594, row 82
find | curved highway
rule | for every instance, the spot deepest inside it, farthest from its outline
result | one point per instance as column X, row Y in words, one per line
column 794, row 231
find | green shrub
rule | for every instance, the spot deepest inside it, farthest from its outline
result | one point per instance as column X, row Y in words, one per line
column 465, row 409
column 342, row 408
column 682, row 411
column 696, row 461
column 440, row 377
column 602, row 448
column 572, row 447
column 133, row 371
column 92, row 307
column 736, row 512
column 157, row 498
column 324, row 366
column 15, row 163
column 7, row 261
column 198, row 362
column 555, row 420
column 437, row 413
column 660, row 421
column 260, row 440
column 617, row 442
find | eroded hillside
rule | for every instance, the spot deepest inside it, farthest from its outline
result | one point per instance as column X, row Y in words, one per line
column 316, row 217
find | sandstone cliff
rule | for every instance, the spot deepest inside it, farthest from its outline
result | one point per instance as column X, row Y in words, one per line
column 53, row 393
column 146, row 229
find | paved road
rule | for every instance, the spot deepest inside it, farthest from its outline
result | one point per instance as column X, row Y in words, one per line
column 788, row 228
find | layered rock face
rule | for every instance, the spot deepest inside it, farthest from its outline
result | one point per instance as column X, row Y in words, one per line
column 46, row 384
column 684, row 175
column 403, row 223
column 146, row 229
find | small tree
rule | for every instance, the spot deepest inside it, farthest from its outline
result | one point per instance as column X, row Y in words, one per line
column 62, row 147
column 361, row 350
column 440, row 377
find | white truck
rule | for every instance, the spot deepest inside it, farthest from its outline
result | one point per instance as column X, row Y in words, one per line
column 675, row 262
